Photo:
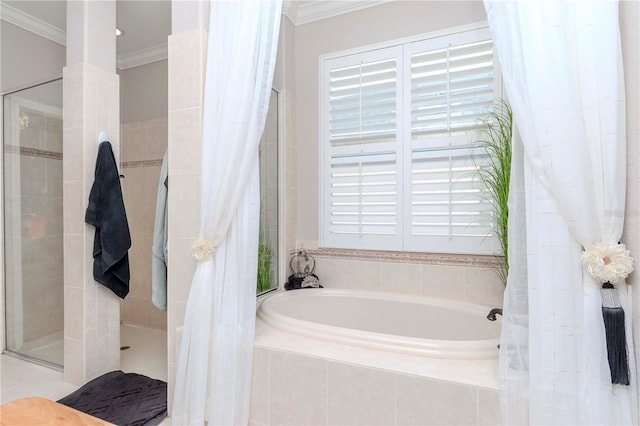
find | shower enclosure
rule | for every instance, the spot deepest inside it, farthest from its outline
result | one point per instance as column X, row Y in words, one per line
column 33, row 234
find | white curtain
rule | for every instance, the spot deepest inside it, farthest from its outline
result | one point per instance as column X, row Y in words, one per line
column 562, row 70
column 213, row 375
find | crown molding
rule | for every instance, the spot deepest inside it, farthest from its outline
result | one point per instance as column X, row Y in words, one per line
column 317, row 10
column 25, row 21
column 142, row 57
column 290, row 10
column 29, row 23
column 297, row 13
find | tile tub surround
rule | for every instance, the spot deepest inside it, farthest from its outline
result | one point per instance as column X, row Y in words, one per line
column 464, row 278
column 298, row 380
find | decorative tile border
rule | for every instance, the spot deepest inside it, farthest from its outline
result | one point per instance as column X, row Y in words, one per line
column 407, row 257
column 41, row 153
column 32, row 152
column 142, row 163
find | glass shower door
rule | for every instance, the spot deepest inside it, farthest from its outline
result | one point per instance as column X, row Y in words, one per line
column 33, row 234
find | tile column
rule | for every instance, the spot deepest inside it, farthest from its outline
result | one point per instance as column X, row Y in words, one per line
column 91, row 105
column 187, row 53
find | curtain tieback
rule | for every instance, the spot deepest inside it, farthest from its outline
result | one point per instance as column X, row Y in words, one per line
column 609, row 264
column 203, row 250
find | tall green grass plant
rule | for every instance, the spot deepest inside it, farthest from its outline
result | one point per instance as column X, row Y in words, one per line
column 264, row 263
column 494, row 141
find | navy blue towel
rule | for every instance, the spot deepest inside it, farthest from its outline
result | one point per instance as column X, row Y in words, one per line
column 106, row 212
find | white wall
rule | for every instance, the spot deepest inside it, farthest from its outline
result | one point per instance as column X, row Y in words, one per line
column 143, row 92
column 284, row 77
column 390, row 21
column 27, row 58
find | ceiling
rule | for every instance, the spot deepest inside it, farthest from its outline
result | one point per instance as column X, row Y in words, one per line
column 147, row 23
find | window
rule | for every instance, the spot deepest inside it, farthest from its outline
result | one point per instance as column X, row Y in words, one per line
column 397, row 128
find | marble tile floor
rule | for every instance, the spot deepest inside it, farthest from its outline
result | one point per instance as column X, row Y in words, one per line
column 147, row 355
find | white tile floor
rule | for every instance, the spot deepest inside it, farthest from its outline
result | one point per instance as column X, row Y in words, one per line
column 21, row 379
column 48, row 348
column 147, row 355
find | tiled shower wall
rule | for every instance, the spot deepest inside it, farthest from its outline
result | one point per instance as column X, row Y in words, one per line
column 143, row 145
column 35, row 197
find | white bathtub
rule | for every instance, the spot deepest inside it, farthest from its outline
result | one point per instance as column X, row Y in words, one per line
column 386, row 321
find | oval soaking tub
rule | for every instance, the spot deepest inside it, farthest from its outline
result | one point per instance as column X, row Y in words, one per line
column 399, row 323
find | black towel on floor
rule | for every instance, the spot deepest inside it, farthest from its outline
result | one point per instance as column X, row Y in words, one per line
column 106, row 212
column 124, row 399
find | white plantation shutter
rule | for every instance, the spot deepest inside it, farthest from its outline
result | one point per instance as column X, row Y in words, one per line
column 363, row 195
column 362, row 102
column 451, row 86
column 397, row 132
column 449, row 210
column 362, row 188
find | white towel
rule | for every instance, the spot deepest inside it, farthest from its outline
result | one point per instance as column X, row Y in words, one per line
column 159, row 249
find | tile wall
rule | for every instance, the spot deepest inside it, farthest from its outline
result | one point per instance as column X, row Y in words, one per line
column 143, row 145
column 186, row 83
column 92, row 312
column 465, row 279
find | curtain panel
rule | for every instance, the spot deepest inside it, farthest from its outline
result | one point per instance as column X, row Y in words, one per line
column 213, row 374
column 562, row 69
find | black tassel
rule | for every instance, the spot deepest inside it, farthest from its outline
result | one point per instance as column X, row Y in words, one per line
column 613, row 316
